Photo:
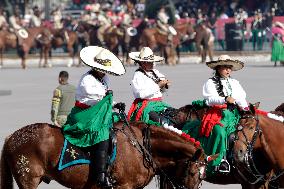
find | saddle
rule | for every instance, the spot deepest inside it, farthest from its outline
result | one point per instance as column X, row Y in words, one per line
column 73, row 155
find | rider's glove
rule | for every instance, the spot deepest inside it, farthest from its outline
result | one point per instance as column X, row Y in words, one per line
column 120, row 106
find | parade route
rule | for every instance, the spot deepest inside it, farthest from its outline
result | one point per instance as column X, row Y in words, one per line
column 25, row 95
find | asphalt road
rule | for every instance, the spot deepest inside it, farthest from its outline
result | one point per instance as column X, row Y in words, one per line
column 27, row 93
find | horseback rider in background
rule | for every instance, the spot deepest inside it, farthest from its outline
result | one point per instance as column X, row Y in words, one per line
column 36, row 19
column 103, row 22
column 16, row 26
column 3, row 20
column 162, row 24
column 258, row 31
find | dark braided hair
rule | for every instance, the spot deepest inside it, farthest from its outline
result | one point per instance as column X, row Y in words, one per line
column 217, row 81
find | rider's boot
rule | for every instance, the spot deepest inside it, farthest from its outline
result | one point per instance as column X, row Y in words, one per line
column 101, row 158
column 165, row 122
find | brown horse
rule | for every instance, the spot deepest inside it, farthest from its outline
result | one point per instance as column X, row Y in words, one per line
column 204, row 42
column 112, row 37
column 31, row 155
column 63, row 37
column 190, row 113
column 152, row 38
column 7, row 40
column 185, row 33
column 38, row 37
column 128, row 43
column 258, row 148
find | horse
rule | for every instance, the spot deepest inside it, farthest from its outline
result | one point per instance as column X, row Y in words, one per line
column 7, row 40
column 186, row 34
column 204, row 40
column 31, row 155
column 157, row 41
column 128, row 43
column 257, row 148
column 38, row 36
column 190, row 113
column 112, row 36
column 62, row 37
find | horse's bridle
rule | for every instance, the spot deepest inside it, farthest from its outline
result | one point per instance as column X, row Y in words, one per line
column 144, row 149
column 248, row 157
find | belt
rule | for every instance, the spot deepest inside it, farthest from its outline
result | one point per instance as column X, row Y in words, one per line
column 81, row 105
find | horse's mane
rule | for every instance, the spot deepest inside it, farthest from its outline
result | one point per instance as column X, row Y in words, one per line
column 279, row 110
column 187, row 108
column 161, row 132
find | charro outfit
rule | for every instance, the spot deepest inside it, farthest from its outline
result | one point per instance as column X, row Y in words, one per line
column 277, row 51
column 220, row 120
column 146, row 91
column 91, row 119
column 258, row 33
column 62, row 102
column 35, row 21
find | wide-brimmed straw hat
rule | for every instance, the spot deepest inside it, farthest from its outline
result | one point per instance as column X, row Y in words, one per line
column 226, row 60
column 277, row 23
column 102, row 60
column 23, row 33
column 145, row 55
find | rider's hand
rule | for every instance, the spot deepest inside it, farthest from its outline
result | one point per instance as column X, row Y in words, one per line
column 120, row 106
column 230, row 100
column 56, row 124
column 164, row 83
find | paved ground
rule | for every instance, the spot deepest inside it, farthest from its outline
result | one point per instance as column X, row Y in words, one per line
column 27, row 93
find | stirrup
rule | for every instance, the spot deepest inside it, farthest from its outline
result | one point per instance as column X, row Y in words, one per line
column 226, row 169
column 104, row 181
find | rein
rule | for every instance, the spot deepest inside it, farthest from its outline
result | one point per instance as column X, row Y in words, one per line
column 250, row 165
column 144, row 149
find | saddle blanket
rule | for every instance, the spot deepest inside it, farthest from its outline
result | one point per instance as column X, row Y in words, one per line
column 74, row 155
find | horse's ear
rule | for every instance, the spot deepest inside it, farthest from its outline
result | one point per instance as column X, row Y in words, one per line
column 196, row 155
column 256, row 105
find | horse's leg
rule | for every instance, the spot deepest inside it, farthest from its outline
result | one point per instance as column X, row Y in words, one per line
column 210, row 51
column 24, row 61
column 1, row 57
column 40, row 57
column 178, row 54
column 203, row 55
column 71, row 55
column 275, row 63
column 45, row 52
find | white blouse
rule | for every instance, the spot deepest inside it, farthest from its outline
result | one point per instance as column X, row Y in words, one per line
column 144, row 87
column 231, row 87
column 90, row 90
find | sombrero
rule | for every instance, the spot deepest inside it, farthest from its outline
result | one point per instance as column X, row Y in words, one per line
column 145, row 55
column 102, row 60
column 277, row 23
column 226, row 60
column 23, row 33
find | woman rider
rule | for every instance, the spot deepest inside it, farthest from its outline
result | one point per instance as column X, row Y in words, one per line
column 148, row 85
column 222, row 94
column 89, row 123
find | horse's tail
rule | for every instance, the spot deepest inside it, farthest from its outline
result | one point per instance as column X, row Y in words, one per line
column 6, row 178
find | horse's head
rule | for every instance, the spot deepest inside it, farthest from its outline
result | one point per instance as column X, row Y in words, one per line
column 188, row 113
column 44, row 37
column 190, row 172
column 179, row 158
column 246, row 135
